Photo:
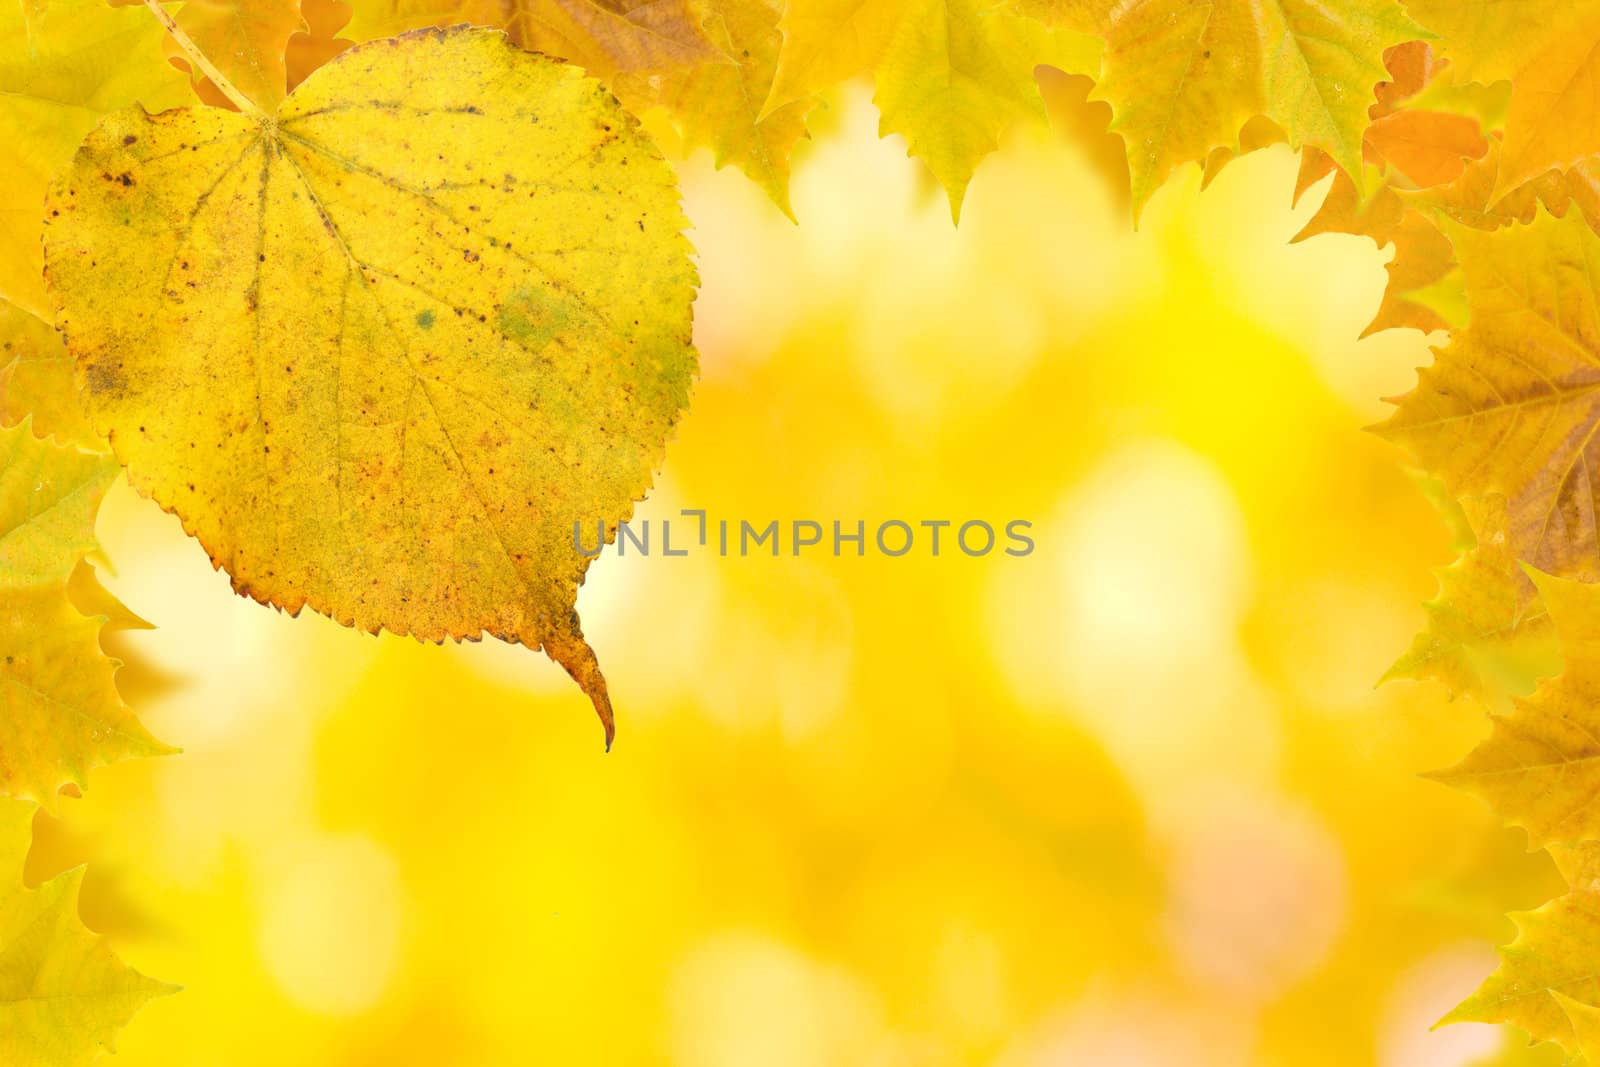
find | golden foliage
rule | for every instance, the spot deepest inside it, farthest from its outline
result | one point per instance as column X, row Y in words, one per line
column 1538, row 768
column 1508, row 407
column 63, row 993
column 63, row 715
column 436, row 301
column 1488, row 631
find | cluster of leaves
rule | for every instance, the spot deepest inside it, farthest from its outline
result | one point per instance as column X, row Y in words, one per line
column 1473, row 152
column 500, row 247
column 65, row 994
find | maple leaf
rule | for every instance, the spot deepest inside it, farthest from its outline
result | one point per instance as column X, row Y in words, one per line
column 1579, row 864
column 246, row 41
column 1473, row 198
column 603, row 36
column 1585, row 1022
column 1546, row 49
column 1412, row 67
column 953, row 78
column 719, row 105
column 1422, row 255
column 439, row 306
column 48, row 497
column 826, row 42
column 36, row 380
column 64, row 994
column 63, row 64
column 1510, row 405
column 1540, row 766
column 1404, row 148
column 1426, row 147
column 1552, row 958
column 63, row 715
column 611, row 36
column 1182, row 77
column 1487, row 629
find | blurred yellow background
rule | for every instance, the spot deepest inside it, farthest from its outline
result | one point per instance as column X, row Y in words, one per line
column 1132, row 800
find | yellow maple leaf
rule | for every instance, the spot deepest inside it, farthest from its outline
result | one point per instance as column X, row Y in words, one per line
column 1405, row 147
column 1183, row 77
column 1540, row 766
column 63, row 64
column 63, row 716
column 719, row 105
column 1579, row 864
column 1511, row 404
column 1470, row 198
column 1585, row 1022
column 954, row 77
column 36, row 380
column 1488, row 634
column 826, row 42
column 1552, row 957
column 609, row 36
column 48, row 497
column 439, row 306
column 1546, row 48
column 64, row 994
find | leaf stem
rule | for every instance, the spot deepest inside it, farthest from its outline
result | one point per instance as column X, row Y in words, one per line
column 204, row 65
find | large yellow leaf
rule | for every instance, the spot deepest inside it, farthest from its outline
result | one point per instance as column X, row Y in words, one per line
column 63, row 64
column 1540, row 766
column 954, row 77
column 62, row 715
column 383, row 350
column 64, row 995
column 708, row 65
column 1183, row 77
column 1510, row 406
column 1550, row 51
column 1552, row 957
